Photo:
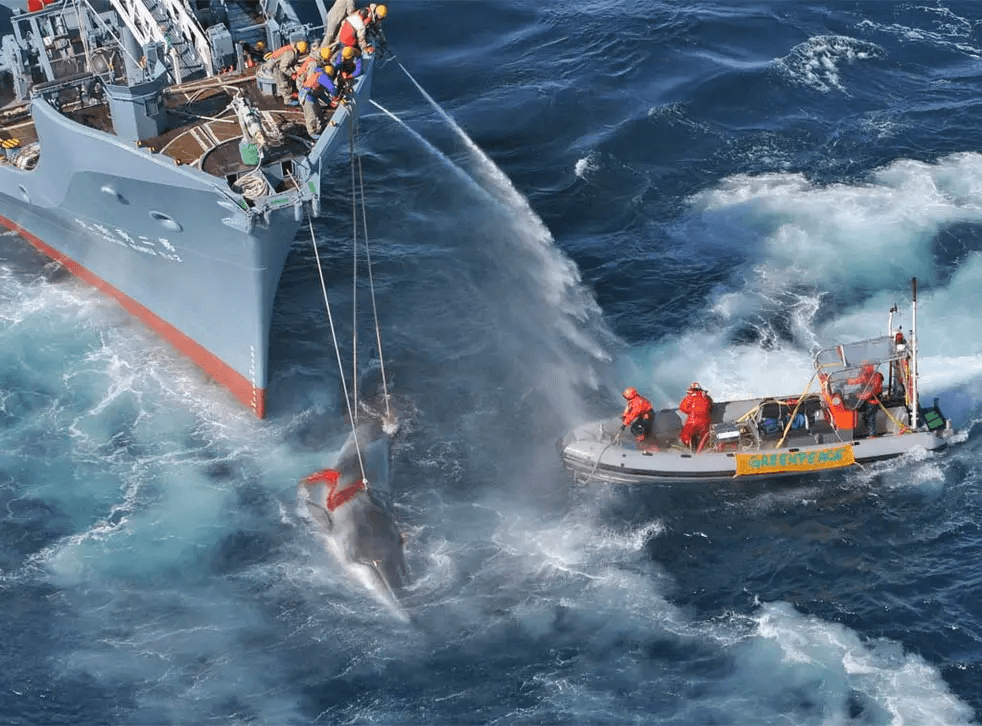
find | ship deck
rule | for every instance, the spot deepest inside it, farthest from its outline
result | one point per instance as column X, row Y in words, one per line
column 204, row 130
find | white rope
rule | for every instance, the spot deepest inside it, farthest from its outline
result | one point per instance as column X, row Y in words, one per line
column 354, row 262
column 337, row 349
column 371, row 283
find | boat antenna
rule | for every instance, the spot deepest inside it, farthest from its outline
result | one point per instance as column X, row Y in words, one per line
column 914, row 405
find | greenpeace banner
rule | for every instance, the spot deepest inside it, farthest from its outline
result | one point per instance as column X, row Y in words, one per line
column 788, row 461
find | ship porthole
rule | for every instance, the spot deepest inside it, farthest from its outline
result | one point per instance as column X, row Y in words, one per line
column 166, row 222
column 23, row 193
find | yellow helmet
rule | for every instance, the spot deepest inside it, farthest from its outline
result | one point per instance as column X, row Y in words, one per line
column 348, row 53
column 325, row 53
column 329, row 70
column 302, row 46
column 381, row 11
column 260, row 46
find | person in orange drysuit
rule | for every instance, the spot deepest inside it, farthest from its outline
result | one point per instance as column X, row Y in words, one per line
column 870, row 382
column 699, row 406
column 638, row 414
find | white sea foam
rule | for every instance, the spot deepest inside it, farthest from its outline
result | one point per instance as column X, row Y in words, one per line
column 952, row 32
column 818, row 61
column 584, row 166
column 833, row 672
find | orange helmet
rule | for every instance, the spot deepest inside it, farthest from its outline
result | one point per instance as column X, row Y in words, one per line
column 630, row 392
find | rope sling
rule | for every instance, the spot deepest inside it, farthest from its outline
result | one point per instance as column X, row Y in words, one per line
column 357, row 195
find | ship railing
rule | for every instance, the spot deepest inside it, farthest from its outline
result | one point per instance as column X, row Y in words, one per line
column 146, row 28
column 74, row 84
column 83, row 89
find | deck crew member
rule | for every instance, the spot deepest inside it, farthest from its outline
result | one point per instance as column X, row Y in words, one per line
column 638, row 414
column 347, row 62
column 316, row 89
column 356, row 26
column 252, row 53
column 312, row 63
column 335, row 16
column 698, row 406
column 870, row 382
column 281, row 64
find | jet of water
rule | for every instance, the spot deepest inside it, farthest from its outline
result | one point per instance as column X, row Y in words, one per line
column 448, row 162
column 501, row 186
column 537, row 267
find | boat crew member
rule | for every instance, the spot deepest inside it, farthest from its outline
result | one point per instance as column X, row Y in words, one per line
column 355, row 27
column 638, row 414
column 698, row 406
column 900, row 369
column 316, row 89
column 870, row 382
column 282, row 64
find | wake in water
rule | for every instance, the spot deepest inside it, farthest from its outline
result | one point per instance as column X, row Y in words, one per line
column 818, row 263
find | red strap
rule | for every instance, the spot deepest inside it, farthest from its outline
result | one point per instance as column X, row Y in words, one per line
column 330, row 476
column 335, row 498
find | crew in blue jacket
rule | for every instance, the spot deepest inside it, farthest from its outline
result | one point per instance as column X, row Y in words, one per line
column 317, row 88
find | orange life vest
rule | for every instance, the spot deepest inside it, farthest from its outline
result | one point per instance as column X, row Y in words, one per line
column 281, row 50
column 308, row 63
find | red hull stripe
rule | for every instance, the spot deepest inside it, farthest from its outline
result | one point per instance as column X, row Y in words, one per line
column 252, row 397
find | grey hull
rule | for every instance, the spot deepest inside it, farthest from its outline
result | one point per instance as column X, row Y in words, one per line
column 599, row 451
column 174, row 245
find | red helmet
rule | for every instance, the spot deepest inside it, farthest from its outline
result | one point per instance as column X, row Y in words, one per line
column 630, row 392
column 868, row 368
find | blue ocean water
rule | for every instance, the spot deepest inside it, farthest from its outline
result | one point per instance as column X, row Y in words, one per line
column 645, row 192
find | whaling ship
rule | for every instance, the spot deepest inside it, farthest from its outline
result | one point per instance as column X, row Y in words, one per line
column 139, row 151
